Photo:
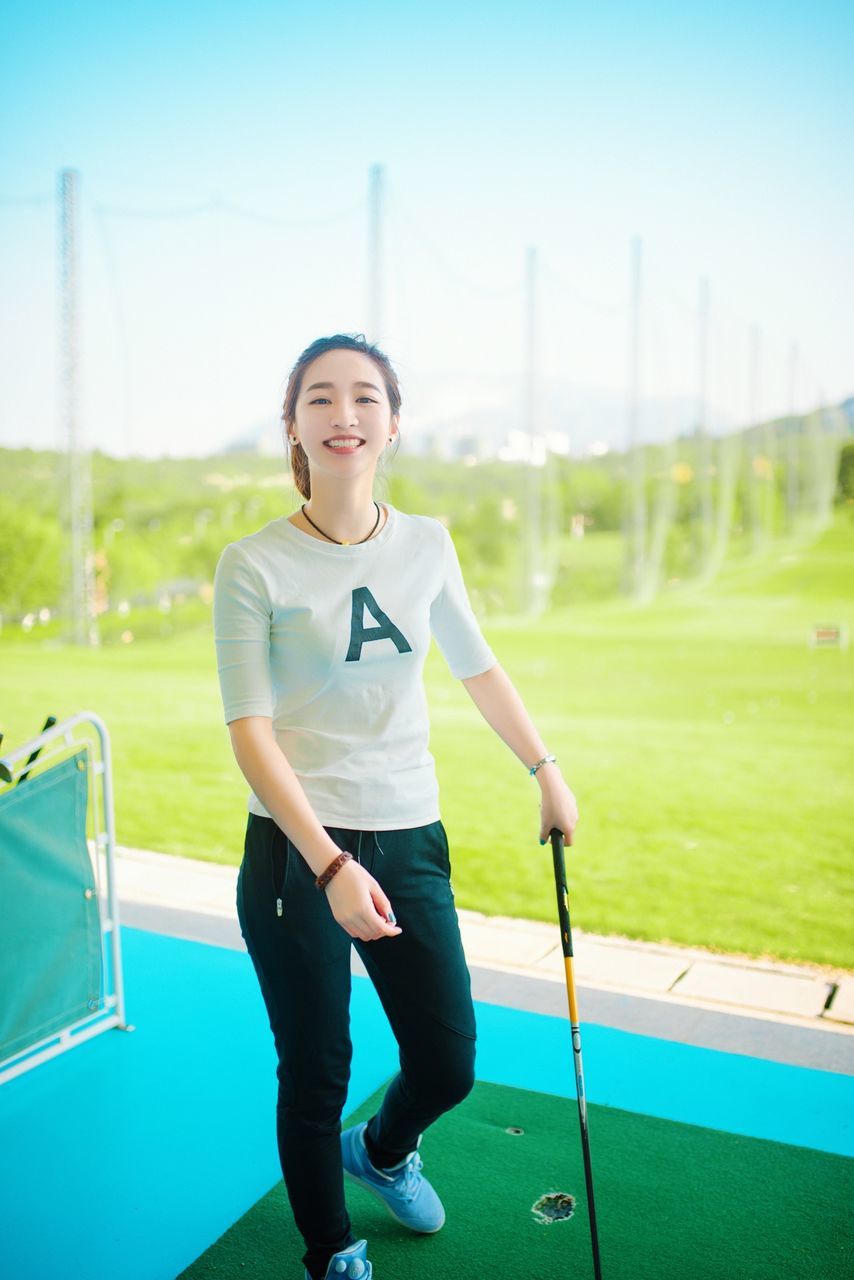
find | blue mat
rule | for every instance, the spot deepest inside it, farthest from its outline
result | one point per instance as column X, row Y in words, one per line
column 129, row 1155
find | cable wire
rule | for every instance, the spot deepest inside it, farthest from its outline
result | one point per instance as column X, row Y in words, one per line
column 459, row 277
column 607, row 308
column 11, row 201
column 216, row 203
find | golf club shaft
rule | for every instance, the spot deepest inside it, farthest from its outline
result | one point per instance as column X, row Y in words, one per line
column 48, row 724
column 566, row 941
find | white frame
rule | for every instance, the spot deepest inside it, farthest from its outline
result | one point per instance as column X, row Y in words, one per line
column 60, row 739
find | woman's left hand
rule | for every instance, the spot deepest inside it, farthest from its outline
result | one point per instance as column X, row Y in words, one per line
column 558, row 808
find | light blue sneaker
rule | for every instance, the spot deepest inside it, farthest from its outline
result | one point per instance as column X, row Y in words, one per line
column 348, row 1264
column 406, row 1194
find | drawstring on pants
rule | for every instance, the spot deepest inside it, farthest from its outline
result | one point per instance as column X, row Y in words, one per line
column 359, row 845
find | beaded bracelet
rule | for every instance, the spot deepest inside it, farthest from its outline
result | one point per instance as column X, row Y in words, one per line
column 335, row 865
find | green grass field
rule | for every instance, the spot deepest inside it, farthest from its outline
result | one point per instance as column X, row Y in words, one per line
column 708, row 746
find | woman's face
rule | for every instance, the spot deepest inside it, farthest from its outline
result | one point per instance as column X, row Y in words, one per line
column 352, row 405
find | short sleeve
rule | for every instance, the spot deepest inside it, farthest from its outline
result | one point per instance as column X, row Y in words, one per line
column 241, row 623
column 453, row 622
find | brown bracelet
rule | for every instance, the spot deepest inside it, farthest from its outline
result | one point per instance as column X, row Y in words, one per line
column 335, row 865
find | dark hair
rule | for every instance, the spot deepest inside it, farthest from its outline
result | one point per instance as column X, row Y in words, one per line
column 354, row 342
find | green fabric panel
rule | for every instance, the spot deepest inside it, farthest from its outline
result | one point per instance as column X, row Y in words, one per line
column 50, row 941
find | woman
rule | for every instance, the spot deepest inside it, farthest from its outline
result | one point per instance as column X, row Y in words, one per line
column 322, row 623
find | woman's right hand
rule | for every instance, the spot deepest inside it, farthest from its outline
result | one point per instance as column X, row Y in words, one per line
column 359, row 904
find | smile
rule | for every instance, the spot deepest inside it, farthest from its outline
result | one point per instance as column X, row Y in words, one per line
column 347, row 444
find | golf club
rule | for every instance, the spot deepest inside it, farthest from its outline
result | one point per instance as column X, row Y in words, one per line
column 566, row 939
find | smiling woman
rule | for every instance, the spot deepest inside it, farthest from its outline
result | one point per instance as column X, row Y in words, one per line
column 323, row 620
column 359, row 406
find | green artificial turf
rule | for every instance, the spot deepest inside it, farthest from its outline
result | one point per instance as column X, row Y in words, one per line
column 707, row 744
column 673, row 1202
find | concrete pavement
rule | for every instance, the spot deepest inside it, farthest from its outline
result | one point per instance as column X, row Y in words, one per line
column 756, row 1005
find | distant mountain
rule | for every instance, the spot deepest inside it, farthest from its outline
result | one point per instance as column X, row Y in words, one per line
column 452, row 412
column 267, row 439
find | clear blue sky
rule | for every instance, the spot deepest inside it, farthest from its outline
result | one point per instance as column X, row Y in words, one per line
column 719, row 134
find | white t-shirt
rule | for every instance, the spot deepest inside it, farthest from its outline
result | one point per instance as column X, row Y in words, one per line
column 330, row 642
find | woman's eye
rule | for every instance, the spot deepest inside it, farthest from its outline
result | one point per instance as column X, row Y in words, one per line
column 369, row 399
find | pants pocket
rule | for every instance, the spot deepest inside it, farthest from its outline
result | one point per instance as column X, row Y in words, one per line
column 444, row 835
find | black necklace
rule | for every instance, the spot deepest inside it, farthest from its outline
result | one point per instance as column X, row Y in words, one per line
column 345, row 543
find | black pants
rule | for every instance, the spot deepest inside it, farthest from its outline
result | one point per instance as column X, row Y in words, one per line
column 302, row 960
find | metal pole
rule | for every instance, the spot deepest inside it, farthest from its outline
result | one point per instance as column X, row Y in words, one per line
column 634, row 502
column 792, row 443
column 755, row 482
column 703, row 450
column 533, row 595
column 79, row 562
column 375, row 199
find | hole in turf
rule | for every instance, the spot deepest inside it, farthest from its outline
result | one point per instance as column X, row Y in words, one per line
column 557, row 1206
column 514, row 1129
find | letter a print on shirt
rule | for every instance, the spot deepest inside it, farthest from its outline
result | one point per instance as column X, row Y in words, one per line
column 359, row 633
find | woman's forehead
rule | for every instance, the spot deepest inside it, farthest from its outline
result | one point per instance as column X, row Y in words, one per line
column 340, row 358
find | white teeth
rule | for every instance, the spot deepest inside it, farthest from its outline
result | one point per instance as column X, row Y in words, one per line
column 343, row 444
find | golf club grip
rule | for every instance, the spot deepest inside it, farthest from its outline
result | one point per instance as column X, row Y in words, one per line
column 560, row 886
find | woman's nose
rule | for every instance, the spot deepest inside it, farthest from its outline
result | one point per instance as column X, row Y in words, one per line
column 346, row 416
